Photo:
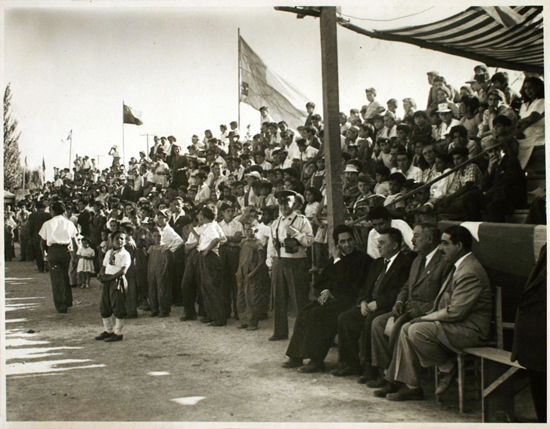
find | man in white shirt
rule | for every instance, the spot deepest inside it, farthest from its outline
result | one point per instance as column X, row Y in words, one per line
column 229, row 254
column 265, row 116
column 405, row 166
column 381, row 221
column 59, row 238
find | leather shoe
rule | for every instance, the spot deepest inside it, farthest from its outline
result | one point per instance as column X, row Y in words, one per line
column 114, row 338
column 252, row 328
column 389, row 388
column 376, row 384
column 445, row 381
column 406, row 394
column 293, row 362
column 164, row 315
column 243, row 326
column 154, row 314
column 278, row 338
column 188, row 318
column 312, row 367
column 206, row 320
column 217, row 323
column 104, row 335
column 344, row 371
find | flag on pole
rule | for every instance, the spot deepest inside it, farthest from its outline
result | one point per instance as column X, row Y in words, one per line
column 261, row 86
column 132, row 116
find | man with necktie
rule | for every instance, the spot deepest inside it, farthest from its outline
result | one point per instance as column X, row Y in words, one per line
column 460, row 318
column 384, row 281
column 428, row 272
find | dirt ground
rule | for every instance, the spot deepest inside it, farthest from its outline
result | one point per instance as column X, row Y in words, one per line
column 57, row 372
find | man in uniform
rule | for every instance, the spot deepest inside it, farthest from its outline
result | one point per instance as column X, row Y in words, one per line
column 291, row 234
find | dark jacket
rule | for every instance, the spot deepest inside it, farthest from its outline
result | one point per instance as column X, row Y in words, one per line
column 530, row 331
column 507, row 181
column 390, row 284
column 345, row 278
column 35, row 222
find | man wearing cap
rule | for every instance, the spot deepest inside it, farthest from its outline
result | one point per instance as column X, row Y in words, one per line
column 372, row 109
column 441, row 132
column 291, row 235
column 58, row 235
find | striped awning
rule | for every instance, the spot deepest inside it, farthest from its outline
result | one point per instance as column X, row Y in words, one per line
column 508, row 37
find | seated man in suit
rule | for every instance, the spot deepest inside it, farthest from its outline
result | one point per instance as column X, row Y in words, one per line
column 428, row 272
column 460, row 318
column 384, row 281
column 338, row 287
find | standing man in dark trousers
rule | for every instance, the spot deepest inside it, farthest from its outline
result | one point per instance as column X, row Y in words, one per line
column 530, row 334
column 36, row 220
column 291, row 235
column 58, row 235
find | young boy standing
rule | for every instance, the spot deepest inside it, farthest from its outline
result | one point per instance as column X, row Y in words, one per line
column 115, row 264
column 229, row 254
column 253, row 281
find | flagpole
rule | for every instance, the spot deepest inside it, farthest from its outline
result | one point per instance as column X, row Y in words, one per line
column 123, row 151
column 70, row 150
column 239, row 81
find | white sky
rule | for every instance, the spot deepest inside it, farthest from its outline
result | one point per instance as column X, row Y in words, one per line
column 72, row 65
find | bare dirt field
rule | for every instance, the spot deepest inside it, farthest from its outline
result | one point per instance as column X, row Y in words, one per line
column 171, row 371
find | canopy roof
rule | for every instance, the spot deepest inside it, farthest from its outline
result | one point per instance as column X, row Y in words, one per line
column 508, row 37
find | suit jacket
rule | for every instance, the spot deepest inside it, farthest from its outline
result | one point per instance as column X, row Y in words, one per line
column 390, row 284
column 464, row 306
column 97, row 224
column 529, row 347
column 36, row 220
column 507, row 181
column 423, row 285
column 345, row 278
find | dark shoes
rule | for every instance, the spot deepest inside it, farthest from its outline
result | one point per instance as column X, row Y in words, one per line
column 62, row 311
column 164, row 315
column 217, row 323
column 312, row 367
column 131, row 316
column 252, row 328
column 389, row 388
column 445, row 381
column 188, row 318
column 406, row 394
column 370, row 373
column 154, row 314
column 345, row 371
column 104, row 335
column 376, row 384
column 243, row 326
column 114, row 338
column 293, row 362
column 206, row 320
column 278, row 338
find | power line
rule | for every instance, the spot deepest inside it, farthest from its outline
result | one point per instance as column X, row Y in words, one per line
column 387, row 20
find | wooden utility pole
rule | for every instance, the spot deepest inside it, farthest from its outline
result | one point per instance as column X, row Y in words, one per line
column 331, row 114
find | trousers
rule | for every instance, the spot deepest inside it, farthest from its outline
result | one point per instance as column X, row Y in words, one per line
column 59, row 260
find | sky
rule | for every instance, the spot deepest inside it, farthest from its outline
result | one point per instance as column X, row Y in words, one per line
column 72, row 64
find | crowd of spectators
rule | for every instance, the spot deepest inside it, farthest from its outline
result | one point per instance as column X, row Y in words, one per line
column 201, row 227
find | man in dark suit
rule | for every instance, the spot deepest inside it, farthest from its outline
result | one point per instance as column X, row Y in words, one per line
column 338, row 288
column 384, row 281
column 36, row 220
column 428, row 272
column 84, row 218
column 460, row 318
column 530, row 334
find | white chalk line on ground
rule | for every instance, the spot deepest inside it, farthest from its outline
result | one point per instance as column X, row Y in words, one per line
column 158, row 373
column 190, row 400
column 16, row 320
column 47, row 366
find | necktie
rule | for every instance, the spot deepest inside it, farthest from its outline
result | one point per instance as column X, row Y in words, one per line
column 376, row 288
